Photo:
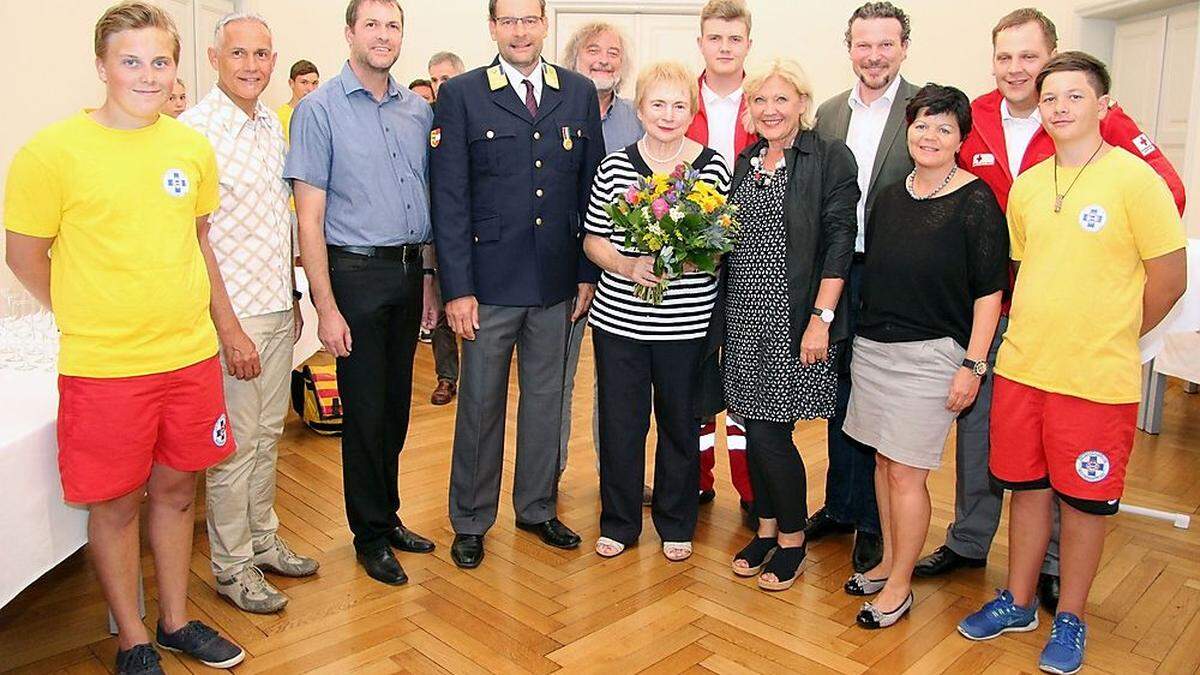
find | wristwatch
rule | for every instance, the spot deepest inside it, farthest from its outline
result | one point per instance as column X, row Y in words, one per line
column 825, row 315
column 429, row 271
column 977, row 368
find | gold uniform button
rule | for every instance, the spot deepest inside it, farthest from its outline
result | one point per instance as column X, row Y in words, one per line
column 491, row 134
column 539, row 192
column 537, row 135
column 538, row 222
column 538, row 163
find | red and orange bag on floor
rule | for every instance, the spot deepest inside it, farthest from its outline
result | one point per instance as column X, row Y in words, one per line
column 315, row 398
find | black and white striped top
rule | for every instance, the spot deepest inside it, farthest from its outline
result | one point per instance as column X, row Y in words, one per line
column 688, row 301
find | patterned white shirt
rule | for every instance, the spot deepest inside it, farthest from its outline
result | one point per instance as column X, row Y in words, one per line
column 251, row 230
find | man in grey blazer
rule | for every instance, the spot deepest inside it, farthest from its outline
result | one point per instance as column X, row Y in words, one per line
column 869, row 117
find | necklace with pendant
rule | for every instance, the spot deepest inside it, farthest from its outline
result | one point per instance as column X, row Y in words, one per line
column 1060, row 196
column 910, row 184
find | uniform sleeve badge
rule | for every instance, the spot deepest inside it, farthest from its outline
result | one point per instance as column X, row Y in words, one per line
column 435, row 137
column 1144, row 145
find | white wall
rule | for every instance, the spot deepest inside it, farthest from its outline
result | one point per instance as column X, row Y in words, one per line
column 48, row 72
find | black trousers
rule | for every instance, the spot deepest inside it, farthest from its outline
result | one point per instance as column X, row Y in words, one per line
column 850, row 478
column 381, row 302
column 777, row 474
column 629, row 373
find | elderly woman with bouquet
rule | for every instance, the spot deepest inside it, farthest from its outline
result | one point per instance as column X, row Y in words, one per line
column 781, row 314
column 656, row 224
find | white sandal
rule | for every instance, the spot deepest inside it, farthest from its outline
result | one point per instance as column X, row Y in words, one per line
column 677, row 551
column 617, row 547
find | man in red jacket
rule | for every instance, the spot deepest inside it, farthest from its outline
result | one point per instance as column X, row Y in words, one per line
column 723, row 124
column 1006, row 139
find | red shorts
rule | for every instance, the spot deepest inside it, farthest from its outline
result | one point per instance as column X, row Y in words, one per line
column 1079, row 448
column 111, row 431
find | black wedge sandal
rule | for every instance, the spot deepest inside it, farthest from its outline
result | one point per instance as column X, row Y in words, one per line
column 785, row 565
column 756, row 554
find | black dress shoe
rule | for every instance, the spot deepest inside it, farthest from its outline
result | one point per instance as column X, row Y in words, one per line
column 467, row 550
column 382, row 566
column 1047, row 591
column 822, row 524
column 943, row 561
column 706, row 496
column 553, row 533
column 404, row 539
column 868, row 550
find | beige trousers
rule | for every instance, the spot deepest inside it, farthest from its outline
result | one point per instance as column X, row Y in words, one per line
column 241, row 489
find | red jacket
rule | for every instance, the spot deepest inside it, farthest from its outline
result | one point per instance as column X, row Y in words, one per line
column 699, row 130
column 985, row 154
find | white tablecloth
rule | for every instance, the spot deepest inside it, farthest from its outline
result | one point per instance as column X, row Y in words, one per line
column 1174, row 344
column 37, row 528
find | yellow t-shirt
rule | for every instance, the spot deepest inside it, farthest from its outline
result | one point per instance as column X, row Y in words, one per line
column 285, row 117
column 1077, row 304
column 127, row 279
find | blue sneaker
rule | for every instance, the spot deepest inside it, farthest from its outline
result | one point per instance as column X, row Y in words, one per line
column 1064, row 652
column 1001, row 615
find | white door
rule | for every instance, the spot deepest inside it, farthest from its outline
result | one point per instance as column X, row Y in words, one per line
column 1174, row 102
column 1137, row 68
column 651, row 37
column 1153, row 67
column 196, row 21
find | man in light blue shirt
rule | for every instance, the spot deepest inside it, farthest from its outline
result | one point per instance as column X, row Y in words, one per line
column 359, row 167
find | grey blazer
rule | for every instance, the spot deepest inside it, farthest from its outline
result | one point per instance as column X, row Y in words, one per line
column 892, row 162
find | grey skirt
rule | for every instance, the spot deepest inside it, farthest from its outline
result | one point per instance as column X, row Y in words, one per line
column 898, row 398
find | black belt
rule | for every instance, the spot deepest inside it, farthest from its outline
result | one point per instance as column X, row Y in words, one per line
column 860, row 257
column 406, row 253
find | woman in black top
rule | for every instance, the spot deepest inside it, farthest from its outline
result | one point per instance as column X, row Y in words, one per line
column 780, row 314
column 936, row 266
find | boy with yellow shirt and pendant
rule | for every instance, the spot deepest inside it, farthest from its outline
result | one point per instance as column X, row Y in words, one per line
column 1100, row 253
column 106, row 218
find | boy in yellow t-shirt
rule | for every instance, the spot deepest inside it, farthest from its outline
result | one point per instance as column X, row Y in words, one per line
column 1099, row 248
column 118, row 197
column 302, row 79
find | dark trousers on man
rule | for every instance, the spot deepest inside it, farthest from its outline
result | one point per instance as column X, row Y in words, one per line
column 445, row 351
column 381, row 301
column 850, row 478
column 632, row 375
column 539, row 335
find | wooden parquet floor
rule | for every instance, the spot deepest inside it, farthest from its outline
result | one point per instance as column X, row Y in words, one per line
column 530, row 609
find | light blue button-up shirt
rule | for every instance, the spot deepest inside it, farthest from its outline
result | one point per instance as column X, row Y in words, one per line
column 371, row 158
column 621, row 125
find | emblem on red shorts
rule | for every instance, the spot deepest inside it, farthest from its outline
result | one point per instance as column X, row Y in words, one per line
column 1092, row 466
column 220, row 432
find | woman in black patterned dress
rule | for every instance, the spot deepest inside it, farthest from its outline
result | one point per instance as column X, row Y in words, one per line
column 782, row 322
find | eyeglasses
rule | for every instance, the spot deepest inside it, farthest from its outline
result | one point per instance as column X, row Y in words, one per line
column 511, row 22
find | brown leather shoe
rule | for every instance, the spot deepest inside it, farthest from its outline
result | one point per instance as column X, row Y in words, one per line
column 444, row 393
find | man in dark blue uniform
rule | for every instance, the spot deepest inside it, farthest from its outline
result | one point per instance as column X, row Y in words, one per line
column 515, row 146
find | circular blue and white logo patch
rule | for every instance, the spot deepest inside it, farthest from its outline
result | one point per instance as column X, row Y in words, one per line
column 1092, row 466
column 1093, row 218
column 175, row 182
column 220, row 433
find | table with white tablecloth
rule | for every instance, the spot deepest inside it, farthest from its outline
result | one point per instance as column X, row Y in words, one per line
column 39, row 530
column 1172, row 348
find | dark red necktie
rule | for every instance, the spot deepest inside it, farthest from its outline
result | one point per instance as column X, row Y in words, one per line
column 530, row 101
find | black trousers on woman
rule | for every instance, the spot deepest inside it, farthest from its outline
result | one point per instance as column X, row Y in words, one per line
column 629, row 374
column 777, row 474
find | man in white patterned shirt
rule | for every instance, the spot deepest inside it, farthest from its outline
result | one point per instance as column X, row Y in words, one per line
column 251, row 235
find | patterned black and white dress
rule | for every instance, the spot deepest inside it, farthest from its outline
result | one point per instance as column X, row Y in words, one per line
column 763, row 379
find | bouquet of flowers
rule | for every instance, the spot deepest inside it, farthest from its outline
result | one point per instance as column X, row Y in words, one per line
column 679, row 220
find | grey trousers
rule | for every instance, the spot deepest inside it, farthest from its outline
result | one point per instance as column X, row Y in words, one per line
column 540, row 338
column 445, row 351
column 977, row 504
column 574, row 346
